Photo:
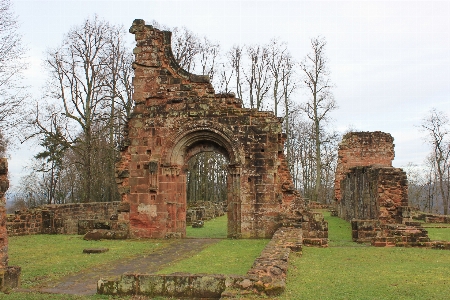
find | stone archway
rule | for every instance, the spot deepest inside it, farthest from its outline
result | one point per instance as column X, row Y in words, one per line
column 186, row 145
column 178, row 113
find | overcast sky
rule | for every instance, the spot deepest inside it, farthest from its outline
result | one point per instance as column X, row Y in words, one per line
column 390, row 60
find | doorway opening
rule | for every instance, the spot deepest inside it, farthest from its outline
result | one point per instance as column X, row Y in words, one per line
column 206, row 195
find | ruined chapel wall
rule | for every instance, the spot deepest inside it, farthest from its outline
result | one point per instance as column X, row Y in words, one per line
column 178, row 113
column 373, row 193
column 362, row 149
column 58, row 218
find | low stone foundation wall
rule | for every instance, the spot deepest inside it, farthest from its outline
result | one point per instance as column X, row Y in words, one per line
column 268, row 276
column 432, row 218
column 410, row 234
column 315, row 229
column 401, row 235
column 363, row 231
column 317, row 205
column 59, row 219
column 203, row 211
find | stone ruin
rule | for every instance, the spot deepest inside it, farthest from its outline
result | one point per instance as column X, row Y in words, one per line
column 366, row 184
column 9, row 275
column 373, row 195
column 178, row 115
column 198, row 211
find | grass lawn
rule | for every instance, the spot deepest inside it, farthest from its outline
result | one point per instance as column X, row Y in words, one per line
column 45, row 258
column 215, row 228
column 344, row 270
column 347, row 270
column 225, row 257
column 438, row 234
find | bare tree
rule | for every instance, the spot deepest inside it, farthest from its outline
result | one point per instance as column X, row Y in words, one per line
column 258, row 75
column 321, row 101
column 288, row 85
column 90, row 79
column 421, row 187
column 12, row 65
column 209, row 53
column 78, row 78
column 277, row 62
column 118, row 76
column 235, row 59
column 438, row 128
column 225, row 76
column 185, row 47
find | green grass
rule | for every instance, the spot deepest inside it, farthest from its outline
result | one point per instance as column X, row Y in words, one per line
column 346, row 270
column 439, row 234
column 215, row 228
column 45, row 258
column 339, row 232
column 368, row 273
column 225, row 257
column 39, row 296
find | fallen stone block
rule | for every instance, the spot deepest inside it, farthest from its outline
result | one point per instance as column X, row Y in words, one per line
column 95, row 250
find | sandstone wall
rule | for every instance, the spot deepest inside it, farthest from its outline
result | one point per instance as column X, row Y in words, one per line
column 362, row 149
column 373, row 193
column 267, row 276
column 178, row 115
column 59, row 218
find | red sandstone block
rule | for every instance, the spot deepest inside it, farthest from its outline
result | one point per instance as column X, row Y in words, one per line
column 141, row 188
column 137, row 173
column 133, row 198
column 144, row 198
column 379, row 244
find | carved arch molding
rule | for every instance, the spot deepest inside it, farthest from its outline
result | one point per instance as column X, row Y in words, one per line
column 177, row 115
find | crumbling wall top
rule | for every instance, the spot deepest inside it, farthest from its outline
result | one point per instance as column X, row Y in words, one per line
column 366, row 145
column 360, row 149
column 145, row 33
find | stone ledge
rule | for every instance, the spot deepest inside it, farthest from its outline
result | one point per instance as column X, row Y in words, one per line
column 267, row 276
column 105, row 234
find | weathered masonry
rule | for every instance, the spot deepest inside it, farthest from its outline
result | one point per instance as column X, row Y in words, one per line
column 366, row 184
column 362, row 149
column 9, row 275
column 178, row 115
column 73, row 218
column 373, row 195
